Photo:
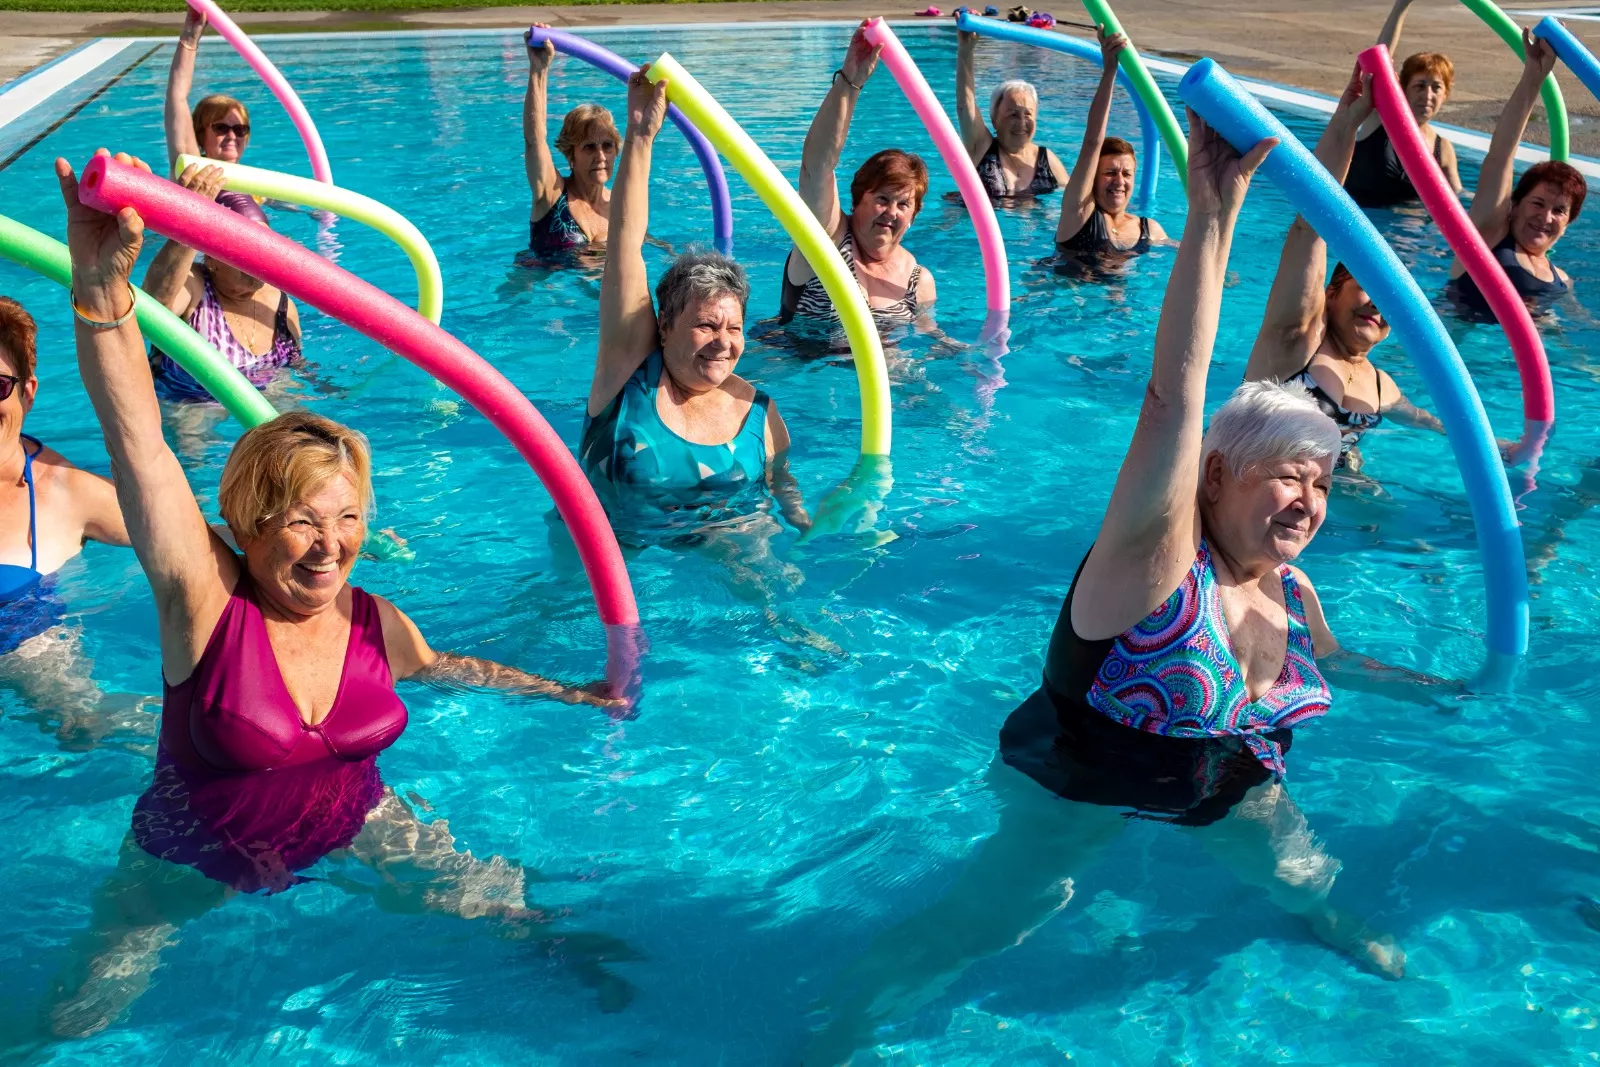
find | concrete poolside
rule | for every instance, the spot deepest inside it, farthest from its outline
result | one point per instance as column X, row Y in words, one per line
column 1294, row 42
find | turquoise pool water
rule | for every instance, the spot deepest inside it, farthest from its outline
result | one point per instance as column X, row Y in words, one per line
column 776, row 804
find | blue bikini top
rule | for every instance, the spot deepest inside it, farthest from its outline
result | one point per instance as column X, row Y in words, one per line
column 16, row 581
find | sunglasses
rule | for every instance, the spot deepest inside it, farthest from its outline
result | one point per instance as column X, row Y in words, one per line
column 240, row 130
column 8, row 385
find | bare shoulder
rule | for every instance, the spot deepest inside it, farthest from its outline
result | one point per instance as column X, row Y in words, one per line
column 1157, row 231
column 927, row 288
column 403, row 643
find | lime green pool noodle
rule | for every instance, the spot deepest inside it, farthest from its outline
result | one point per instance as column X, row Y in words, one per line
column 29, row 248
column 1172, row 134
column 808, row 236
column 305, row 192
column 1555, row 107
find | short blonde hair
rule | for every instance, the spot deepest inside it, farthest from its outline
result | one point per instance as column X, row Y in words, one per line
column 280, row 463
column 213, row 109
column 579, row 121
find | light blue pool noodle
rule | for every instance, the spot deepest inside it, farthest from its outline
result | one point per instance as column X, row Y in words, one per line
column 1017, row 33
column 1241, row 119
column 1571, row 51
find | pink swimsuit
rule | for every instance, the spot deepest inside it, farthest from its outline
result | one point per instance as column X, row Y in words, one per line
column 244, row 791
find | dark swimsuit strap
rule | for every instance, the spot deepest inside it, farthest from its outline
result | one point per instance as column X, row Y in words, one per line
column 33, row 512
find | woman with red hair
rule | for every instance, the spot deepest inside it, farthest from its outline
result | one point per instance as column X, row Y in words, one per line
column 885, row 196
column 1522, row 223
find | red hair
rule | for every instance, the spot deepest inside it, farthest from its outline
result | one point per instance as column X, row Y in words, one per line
column 1116, row 146
column 18, row 336
column 1563, row 176
column 890, row 169
column 1436, row 64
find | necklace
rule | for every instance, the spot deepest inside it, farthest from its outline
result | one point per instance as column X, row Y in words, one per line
column 249, row 316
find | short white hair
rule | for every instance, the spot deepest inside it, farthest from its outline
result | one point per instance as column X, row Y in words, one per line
column 1014, row 85
column 1264, row 422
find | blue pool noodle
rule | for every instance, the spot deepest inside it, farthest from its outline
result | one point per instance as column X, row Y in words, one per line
column 605, row 59
column 1241, row 119
column 1571, row 51
column 1089, row 51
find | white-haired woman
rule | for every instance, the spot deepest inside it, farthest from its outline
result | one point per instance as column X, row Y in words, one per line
column 668, row 422
column 1187, row 648
column 1011, row 165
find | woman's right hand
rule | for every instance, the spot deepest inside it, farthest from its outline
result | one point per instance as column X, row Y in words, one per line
column 205, row 179
column 194, row 27
column 1356, row 102
column 1218, row 176
column 647, row 104
column 104, row 248
column 861, row 58
column 1111, row 46
column 966, row 40
column 1539, row 57
column 539, row 56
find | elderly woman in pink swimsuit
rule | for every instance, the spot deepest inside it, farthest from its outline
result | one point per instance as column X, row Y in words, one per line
column 279, row 674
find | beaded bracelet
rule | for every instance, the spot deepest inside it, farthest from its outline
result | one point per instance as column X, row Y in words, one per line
column 96, row 324
column 840, row 74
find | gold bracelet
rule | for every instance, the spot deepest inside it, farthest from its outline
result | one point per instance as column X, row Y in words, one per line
column 191, row 47
column 96, row 324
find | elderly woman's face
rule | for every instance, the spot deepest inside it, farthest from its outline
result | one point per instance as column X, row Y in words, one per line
column 594, row 157
column 302, row 558
column 226, row 138
column 19, row 399
column 703, row 345
column 1539, row 219
column 1113, row 183
column 1272, row 513
column 1354, row 319
column 1015, row 119
column 881, row 218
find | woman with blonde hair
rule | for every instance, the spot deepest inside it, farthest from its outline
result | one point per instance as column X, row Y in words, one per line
column 568, row 212
column 279, row 674
column 219, row 126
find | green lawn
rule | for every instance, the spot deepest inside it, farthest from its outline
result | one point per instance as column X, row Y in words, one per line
column 177, row 6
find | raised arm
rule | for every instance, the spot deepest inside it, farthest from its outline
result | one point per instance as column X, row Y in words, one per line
column 1077, row 200
column 1389, row 37
column 543, row 179
column 190, row 573
column 178, row 118
column 974, row 130
column 170, row 277
column 819, row 157
column 627, row 315
column 1291, row 327
column 1492, row 200
column 1152, row 525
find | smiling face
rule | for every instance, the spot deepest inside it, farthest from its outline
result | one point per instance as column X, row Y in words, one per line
column 1426, row 93
column 301, row 559
column 1267, row 517
column 1015, row 119
column 881, row 218
column 225, row 138
column 702, row 345
column 1113, row 183
column 1539, row 219
column 1353, row 321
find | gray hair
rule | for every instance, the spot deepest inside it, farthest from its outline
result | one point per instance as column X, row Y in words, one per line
column 1014, row 85
column 1267, row 421
column 698, row 275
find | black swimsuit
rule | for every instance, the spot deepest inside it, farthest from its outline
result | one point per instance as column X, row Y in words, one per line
column 1376, row 178
column 1095, row 239
column 994, row 177
column 1533, row 289
column 1352, row 424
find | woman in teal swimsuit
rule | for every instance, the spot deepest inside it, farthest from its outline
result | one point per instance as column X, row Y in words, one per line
column 669, row 423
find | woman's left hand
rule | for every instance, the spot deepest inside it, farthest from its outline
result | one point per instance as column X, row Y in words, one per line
column 647, row 104
column 861, row 58
column 1539, row 56
column 1111, row 46
column 1356, row 102
column 1218, row 176
column 104, row 248
column 595, row 694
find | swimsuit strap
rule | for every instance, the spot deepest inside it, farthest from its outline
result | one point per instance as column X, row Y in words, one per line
column 33, row 511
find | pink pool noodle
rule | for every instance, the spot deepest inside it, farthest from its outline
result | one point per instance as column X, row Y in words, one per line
column 997, row 279
column 270, row 74
column 171, row 210
column 1538, row 395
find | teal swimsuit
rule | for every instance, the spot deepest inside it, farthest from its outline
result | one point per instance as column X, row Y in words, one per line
column 631, row 456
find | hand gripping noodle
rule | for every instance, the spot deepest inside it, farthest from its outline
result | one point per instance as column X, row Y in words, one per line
column 1150, row 165
column 808, row 236
column 312, row 194
column 270, row 74
column 107, row 185
column 997, row 280
column 31, row 249
column 1171, row 133
column 1238, row 117
column 721, row 204
column 1555, row 108
column 1571, row 51
column 1538, row 398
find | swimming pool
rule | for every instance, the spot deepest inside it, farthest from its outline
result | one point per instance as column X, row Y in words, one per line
column 776, row 804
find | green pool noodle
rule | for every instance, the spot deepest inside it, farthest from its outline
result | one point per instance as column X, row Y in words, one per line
column 1172, row 135
column 29, row 248
column 1555, row 107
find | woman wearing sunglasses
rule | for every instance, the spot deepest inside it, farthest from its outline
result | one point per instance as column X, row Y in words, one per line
column 219, row 125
